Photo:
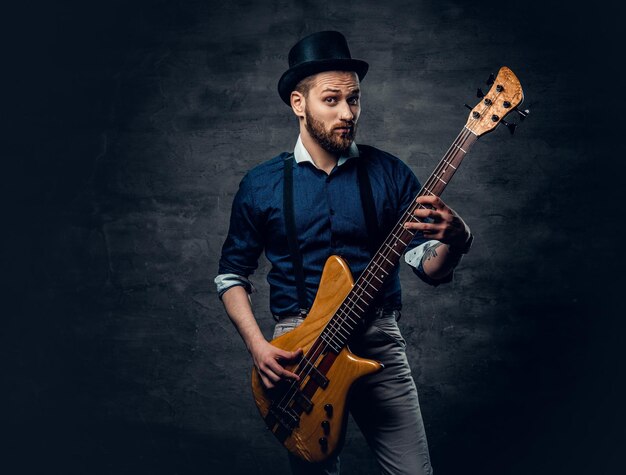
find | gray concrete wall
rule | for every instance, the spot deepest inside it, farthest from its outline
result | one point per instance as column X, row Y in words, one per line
column 129, row 126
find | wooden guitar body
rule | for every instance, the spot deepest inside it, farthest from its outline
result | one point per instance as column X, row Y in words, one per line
column 346, row 368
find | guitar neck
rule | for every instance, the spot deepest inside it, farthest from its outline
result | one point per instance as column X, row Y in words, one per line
column 371, row 280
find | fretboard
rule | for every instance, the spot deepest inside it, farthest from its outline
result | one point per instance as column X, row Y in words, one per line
column 360, row 298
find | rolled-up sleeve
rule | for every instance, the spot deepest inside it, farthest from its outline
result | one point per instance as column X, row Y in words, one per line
column 244, row 242
column 415, row 258
column 226, row 281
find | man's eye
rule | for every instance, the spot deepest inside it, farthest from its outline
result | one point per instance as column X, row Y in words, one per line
column 353, row 100
column 330, row 99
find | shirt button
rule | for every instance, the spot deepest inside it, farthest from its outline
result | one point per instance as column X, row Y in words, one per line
column 332, row 212
column 327, row 179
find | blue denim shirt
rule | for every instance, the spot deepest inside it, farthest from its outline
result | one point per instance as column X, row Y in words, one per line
column 329, row 220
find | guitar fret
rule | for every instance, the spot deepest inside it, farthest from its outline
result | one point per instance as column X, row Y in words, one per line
column 374, row 272
column 357, row 306
column 338, row 328
column 402, row 241
column 349, row 317
column 371, row 285
column 354, row 319
column 460, row 148
column 353, row 302
column 446, row 161
column 325, row 339
column 335, row 345
column 362, row 299
column 349, row 327
column 336, row 340
column 442, row 181
column 392, row 249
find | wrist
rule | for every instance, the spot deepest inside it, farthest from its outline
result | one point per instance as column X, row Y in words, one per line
column 255, row 343
column 462, row 248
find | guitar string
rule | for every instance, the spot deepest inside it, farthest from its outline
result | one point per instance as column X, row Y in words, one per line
column 437, row 175
column 344, row 311
column 387, row 248
column 329, row 338
column 336, row 323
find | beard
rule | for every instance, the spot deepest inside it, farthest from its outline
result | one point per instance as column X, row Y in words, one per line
column 330, row 140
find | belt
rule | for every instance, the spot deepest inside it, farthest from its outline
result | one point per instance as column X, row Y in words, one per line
column 377, row 313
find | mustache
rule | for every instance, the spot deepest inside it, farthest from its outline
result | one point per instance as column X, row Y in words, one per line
column 345, row 125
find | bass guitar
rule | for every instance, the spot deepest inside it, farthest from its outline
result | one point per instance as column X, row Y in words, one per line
column 309, row 416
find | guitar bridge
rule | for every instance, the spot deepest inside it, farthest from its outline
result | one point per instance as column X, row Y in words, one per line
column 282, row 422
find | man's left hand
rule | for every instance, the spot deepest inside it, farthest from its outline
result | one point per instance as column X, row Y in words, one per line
column 444, row 224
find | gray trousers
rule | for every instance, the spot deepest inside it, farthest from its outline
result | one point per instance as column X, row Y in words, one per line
column 384, row 405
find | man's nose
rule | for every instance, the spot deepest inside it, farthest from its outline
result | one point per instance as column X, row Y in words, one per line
column 345, row 112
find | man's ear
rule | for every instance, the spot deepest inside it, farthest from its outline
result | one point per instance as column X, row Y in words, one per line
column 298, row 102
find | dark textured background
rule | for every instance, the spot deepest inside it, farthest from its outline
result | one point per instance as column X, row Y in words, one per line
column 126, row 128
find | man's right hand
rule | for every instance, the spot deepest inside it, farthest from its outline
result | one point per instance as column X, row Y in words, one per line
column 269, row 362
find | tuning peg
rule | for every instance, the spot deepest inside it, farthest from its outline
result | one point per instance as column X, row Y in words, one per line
column 509, row 125
column 522, row 113
column 491, row 79
column 480, row 93
column 469, row 107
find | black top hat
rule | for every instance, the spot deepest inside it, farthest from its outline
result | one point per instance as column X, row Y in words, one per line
column 322, row 51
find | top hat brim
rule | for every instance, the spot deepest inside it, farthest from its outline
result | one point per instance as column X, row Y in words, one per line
column 293, row 76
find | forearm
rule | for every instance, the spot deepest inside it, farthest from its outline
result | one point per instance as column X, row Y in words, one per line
column 237, row 305
column 439, row 260
column 267, row 358
column 439, row 222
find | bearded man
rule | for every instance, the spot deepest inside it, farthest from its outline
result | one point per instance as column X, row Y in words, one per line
column 332, row 196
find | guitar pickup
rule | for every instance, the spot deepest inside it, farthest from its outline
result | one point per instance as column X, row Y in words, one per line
column 304, row 402
column 285, row 418
column 318, row 378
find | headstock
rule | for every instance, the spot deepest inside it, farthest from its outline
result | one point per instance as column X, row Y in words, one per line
column 502, row 99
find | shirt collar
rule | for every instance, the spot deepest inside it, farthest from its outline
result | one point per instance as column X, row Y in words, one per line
column 301, row 154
